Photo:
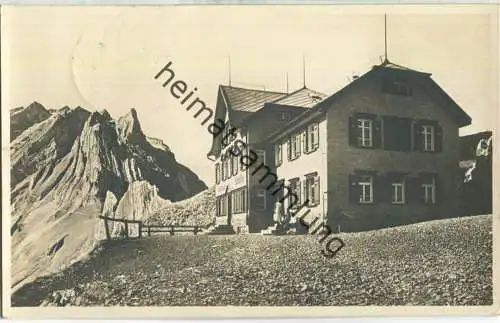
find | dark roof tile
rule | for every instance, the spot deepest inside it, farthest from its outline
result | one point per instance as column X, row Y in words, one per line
column 247, row 100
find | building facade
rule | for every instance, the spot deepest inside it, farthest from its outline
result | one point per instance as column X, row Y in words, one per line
column 382, row 151
column 243, row 201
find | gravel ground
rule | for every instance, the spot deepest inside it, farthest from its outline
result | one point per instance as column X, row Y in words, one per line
column 446, row 262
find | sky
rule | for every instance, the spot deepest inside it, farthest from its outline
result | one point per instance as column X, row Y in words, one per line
column 107, row 57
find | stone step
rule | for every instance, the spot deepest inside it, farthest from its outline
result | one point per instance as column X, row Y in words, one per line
column 271, row 230
column 220, row 229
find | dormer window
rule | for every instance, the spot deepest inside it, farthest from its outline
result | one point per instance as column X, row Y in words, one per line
column 397, row 87
column 284, row 116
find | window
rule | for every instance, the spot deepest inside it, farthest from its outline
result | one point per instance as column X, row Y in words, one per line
column 223, row 170
column 261, row 155
column 278, row 154
column 398, row 192
column 294, row 189
column 239, row 201
column 427, row 132
column 312, row 189
column 397, row 87
column 428, row 136
column 229, row 167
column 365, row 189
column 294, row 146
column 365, row 130
column 217, row 173
column 365, row 133
column 284, row 116
column 260, row 200
column 312, row 138
column 429, row 191
column 234, row 165
column 228, row 135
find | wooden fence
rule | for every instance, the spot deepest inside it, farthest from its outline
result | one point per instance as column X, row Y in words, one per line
column 149, row 229
column 171, row 229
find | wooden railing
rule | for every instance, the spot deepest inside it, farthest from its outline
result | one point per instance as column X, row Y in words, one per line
column 125, row 222
column 171, row 229
column 149, row 229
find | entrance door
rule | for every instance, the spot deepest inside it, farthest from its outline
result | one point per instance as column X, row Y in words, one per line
column 229, row 208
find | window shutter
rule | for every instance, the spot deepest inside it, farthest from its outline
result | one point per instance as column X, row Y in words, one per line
column 316, row 136
column 299, row 192
column 303, row 190
column 417, row 137
column 317, row 190
column 305, row 140
column 298, row 138
column 353, row 131
column 413, row 190
column 383, row 189
column 353, row 189
column 378, row 192
column 377, row 133
column 420, row 198
column 289, row 148
column 439, row 190
column 439, row 138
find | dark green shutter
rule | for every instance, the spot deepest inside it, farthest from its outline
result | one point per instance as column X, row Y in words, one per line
column 299, row 192
column 317, row 190
column 417, row 137
column 305, row 142
column 385, row 188
column 316, row 136
column 353, row 189
column 377, row 133
column 439, row 190
column 353, row 131
column 413, row 190
column 289, row 148
column 299, row 146
column 439, row 138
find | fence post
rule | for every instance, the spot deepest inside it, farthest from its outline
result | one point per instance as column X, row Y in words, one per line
column 171, row 230
column 106, row 227
column 140, row 230
column 195, row 229
column 126, row 230
column 149, row 231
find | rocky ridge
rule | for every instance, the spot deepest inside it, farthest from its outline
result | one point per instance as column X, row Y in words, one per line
column 75, row 165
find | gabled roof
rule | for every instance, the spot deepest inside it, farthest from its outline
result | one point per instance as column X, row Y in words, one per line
column 304, row 97
column 390, row 65
column 459, row 114
column 248, row 100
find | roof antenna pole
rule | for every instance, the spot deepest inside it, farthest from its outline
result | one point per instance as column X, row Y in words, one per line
column 229, row 70
column 385, row 39
column 286, row 82
column 304, row 71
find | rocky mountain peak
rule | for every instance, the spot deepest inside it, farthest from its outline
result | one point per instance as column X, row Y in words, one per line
column 129, row 127
column 23, row 118
column 98, row 118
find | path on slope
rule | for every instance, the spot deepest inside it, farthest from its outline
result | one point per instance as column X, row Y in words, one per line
column 445, row 262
